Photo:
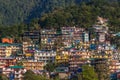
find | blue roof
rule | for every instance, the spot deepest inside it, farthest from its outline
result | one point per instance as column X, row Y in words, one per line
column 117, row 34
column 7, row 58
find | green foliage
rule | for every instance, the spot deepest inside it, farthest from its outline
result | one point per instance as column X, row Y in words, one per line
column 88, row 73
column 50, row 67
column 17, row 11
column 114, row 40
column 20, row 63
column 102, row 69
column 84, row 15
column 29, row 75
column 54, row 14
column 3, row 77
column 14, row 31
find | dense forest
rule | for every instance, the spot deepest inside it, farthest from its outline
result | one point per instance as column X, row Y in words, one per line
column 84, row 15
column 17, row 11
column 54, row 14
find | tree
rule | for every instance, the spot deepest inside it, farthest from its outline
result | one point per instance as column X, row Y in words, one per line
column 50, row 67
column 84, row 15
column 29, row 75
column 3, row 77
column 88, row 73
column 20, row 63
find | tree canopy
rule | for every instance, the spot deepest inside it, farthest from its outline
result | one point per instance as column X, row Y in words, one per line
column 84, row 15
column 59, row 13
column 17, row 11
column 29, row 75
column 89, row 73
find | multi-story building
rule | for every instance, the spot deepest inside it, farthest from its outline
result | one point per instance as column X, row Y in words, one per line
column 101, row 37
column 33, row 65
column 103, row 56
column 114, row 62
column 6, row 62
column 78, row 58
column 7, row 50
column 101, row 25
column 101, row 66
column 64, row 37
column 17, row 72
column 86, row 37
column 28, row 49
column 34, row 36
column 114, row 66
column 116, row 55
column 71, row 35
column 31, row 41
column 101, row 29
column 62, row 56
column 78, row 35
column 103, row 51
column 48, row 37
column 45, row 56
column 14, row 72
column 67, row 36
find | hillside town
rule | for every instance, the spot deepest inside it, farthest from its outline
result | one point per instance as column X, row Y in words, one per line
column 70, row 47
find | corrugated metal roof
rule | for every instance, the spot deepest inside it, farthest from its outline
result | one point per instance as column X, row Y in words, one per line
column 16, row 67
column 7, row 44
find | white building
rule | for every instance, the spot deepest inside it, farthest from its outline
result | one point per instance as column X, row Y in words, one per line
column 45, row 55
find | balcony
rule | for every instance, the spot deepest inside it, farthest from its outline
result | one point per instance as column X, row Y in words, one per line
column 18, row 76
column 17, row 72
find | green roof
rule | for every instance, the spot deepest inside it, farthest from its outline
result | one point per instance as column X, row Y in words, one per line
column 92, row 59
column 16, row 67
column 18, row 53
column 8, row 44
column 61, row 69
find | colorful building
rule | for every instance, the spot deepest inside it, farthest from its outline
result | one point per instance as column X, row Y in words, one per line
column 17, row 72
column 14, row 72
column 7, row 50
column 33, row 65
column 34, row 36
column 48, row 38
column 45, row 56
column 6, row 62
column 62, row 56
column 114, row 66
column 7, row 40
column 28, row 49
column 86, row 36
column 71, row 35
column 78, row 58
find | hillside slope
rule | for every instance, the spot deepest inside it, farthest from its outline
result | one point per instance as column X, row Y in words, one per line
column 17, row 11
column 84, row 15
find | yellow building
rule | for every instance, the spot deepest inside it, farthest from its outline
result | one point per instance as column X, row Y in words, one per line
column 107, row 54
column 114, row 66
column 7, row 49
column 63, row 57
column 78, row 58
column 33, row 65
